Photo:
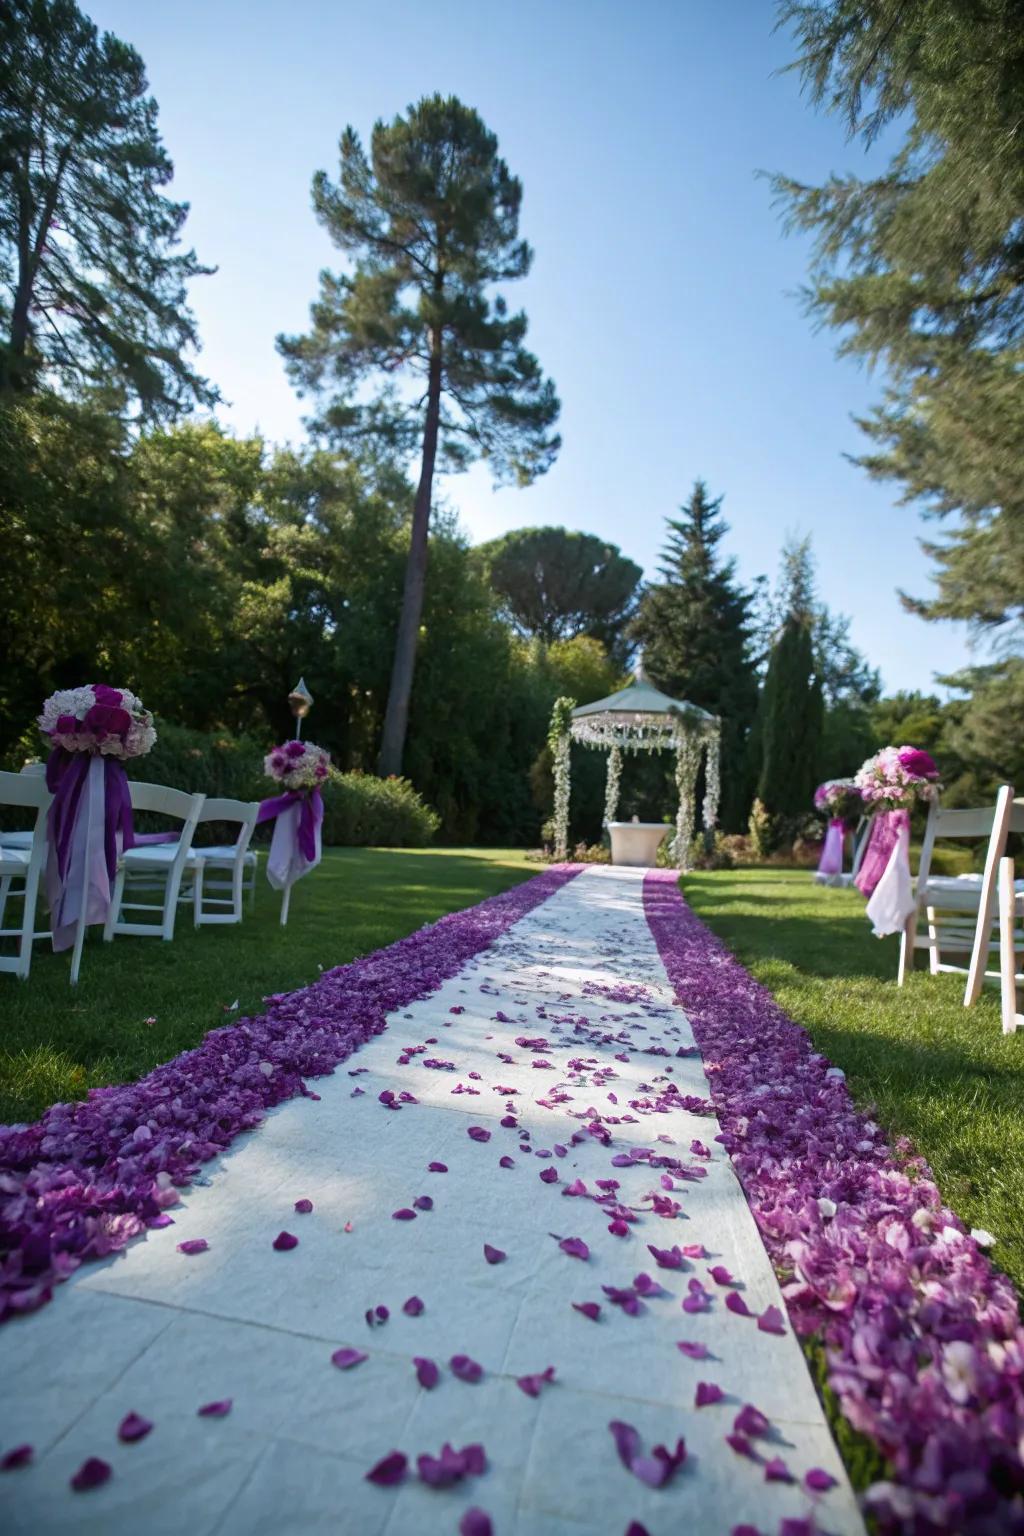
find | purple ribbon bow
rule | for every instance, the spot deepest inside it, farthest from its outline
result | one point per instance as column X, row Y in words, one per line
column 311, row 814
column 66, row 773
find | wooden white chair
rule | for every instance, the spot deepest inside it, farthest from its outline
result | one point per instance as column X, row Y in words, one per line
column 155, row 867
column 959, row 911
column 221, row 874
column 22, row 865
column 1011, row 943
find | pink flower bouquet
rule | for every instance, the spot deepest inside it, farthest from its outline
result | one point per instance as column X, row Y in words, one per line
column 897, row 779
column 98, row 719
column 839, row 799
column 298, row 765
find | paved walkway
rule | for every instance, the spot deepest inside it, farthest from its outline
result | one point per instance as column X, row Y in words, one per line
column 159, row 1333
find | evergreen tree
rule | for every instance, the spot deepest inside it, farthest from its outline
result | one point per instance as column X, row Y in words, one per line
column 695, row 629
column 792, row 713
column 95, row 287
column 431, row 219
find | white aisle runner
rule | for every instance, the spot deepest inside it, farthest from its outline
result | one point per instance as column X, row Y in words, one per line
column 158, row 1333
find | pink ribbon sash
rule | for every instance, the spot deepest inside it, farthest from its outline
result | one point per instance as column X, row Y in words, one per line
column 831, row 861
column 882, row 839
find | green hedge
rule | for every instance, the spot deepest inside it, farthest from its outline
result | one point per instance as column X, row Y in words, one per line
column 359, row 810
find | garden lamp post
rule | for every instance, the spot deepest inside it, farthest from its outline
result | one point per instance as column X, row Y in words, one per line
column 300, row 702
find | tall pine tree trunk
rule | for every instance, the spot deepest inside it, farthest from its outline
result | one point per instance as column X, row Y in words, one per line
column 396, row 718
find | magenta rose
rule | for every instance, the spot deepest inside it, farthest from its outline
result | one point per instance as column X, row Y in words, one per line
column 107, row 720
column 66, row 725
column 920, row 764
column 104, row 695
column 295, row 749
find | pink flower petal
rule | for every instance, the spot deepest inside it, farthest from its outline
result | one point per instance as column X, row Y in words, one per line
column 303, row 1207
column 193, row 1245
column 694, row 1251
column 708, row 1392
column 345, row 1359
column 575, row 1247
column 618, row 1228
column 465, row 1368
column 771, row 1321
column 591, row 1309
column 284, row 1242
column 216, row 1410
column 133, row 1427
column 478, row 1133
column 666, row 1258
column 91, row 1474
column 427, row 1373
column 734, row 1301
column 494, row 1255
column 693, row 1351
column 389, row 1471
column 21, row 1455
column 413, row 1307
column 405, row 1214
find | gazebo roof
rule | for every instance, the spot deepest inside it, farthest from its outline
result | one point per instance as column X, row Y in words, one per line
column 640, row 698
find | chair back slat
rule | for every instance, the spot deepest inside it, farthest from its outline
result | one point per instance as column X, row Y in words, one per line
column 967, row 823
column 165, row 801
column 229, row 810
column 25, row 789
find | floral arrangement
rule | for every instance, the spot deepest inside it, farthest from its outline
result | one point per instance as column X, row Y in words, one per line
column 298, row 765
column 898, row 778
column 839, row 799
column 98, row 719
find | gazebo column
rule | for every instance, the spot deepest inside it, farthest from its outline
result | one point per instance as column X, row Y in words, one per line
column 560, row 741
column 712, row 776
column 611, row 785
column 688, row 755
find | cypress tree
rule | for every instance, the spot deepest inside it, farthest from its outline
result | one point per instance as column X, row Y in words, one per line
column 695, row 629
column 792, row 716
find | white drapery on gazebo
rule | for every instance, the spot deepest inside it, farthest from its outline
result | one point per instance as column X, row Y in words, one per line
column 639, row 719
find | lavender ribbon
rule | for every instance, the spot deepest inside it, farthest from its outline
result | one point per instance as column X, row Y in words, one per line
column 88, row 823
column 831, row 861
column 882, row 839
column 295, row 847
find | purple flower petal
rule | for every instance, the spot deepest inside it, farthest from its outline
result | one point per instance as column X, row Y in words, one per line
column 476, row 1523
column 284, row 1242
column 133, row 1427
column 494, row 1255
column 465, row 1368
column 575, row 1247
column 720, row 1275
column 776, row 1471
column 404, row 1214
column 427, row 1373
column 437, row 1167
column 21, row 1455
column 193, row 1245
column 750, row 1421
column 532, row 1385
column 627, row 1442
column 708, row 1392
column 423, row 1203
column 667, row 1258
column 693, row 1351
column 345, row 1359
column 771, row 1321
column 506, row 1162
column 549, row 1175
column 636, row 1529
column 741, row 1445
column 734, row 1301
column 591, row 1309
column 413, row 1307
column 215, row 1410
column 819, row 1481
column 91, row 1474
column 303, row 1207
column 381, row 1314
column 478, row 1133
column 389, row 1471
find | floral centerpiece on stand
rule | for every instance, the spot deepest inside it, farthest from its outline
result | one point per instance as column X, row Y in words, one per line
column 301, row 769
column 898, row 779
column 839, row 800
column 92, row 732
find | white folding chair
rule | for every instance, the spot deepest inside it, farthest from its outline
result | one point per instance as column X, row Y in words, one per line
column 156, row 867
column 22, row 865
column 23, row 839
column 1011, row 943
column 221, row 873
column 959, row 911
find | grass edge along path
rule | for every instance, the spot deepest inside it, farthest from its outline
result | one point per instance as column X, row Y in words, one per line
column 923, row 1341
column 141, row 1002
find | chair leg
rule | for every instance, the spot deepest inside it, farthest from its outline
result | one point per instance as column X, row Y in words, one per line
column 115, row 905
column 170, row 905
column 934, row 953
column 237, row 894
column 907, row 937
column 1007, row 957
column 197, row 895
column 5, row 891
column 28, row 924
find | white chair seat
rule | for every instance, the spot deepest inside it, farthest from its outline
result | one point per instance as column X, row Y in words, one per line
column 155, row 856
column 15, row 861
column 16, row 839
column 221, row 854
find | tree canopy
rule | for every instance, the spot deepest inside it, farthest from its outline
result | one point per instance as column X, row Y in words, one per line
column 91, row 271
column 554, row 584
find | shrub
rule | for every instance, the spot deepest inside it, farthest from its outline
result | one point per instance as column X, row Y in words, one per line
column 361, row 811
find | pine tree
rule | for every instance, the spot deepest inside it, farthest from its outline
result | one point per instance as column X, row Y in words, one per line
column 431, row 219
column 695, row 628
column 95, row 287
column 792, row 716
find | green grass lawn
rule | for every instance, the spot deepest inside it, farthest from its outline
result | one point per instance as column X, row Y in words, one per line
column 924, row 1065
column 139, row 1001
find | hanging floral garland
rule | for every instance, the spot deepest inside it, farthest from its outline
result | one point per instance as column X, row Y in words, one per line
column 559, row 741
column 689, row 746
column 712, row 774
column 611, row 785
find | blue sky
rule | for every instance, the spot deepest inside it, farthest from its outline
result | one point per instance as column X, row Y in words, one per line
column 663, row 298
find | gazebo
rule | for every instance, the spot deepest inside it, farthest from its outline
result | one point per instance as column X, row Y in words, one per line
column 639, row 719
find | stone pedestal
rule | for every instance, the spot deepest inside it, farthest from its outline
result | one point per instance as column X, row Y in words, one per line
column 636, row 842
